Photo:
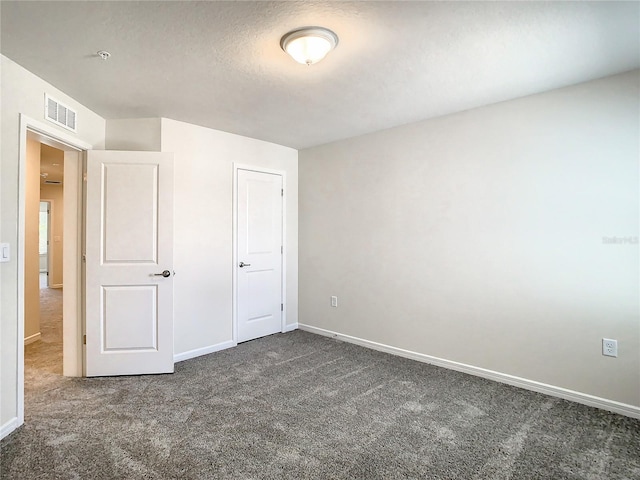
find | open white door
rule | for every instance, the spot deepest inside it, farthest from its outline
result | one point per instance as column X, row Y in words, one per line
column 129, row 244
column 259, row 251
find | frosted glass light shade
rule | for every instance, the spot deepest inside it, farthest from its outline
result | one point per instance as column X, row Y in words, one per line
column 309, row 45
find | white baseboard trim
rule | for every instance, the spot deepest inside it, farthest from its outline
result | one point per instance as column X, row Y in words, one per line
column 179, row 357
column 578, row 397
column 8, row 427
column 290, row 328
column 32, row 338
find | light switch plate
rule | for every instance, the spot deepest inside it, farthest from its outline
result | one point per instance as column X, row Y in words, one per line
column 5, row 252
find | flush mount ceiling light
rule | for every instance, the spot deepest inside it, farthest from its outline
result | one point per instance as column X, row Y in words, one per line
column 309, row 45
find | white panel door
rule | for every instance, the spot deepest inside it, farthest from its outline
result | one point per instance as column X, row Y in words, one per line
column 259, row 254
column 129, row 263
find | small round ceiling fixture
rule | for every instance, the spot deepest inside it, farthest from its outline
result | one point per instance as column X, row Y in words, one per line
column 309, row 45
column 103, row 54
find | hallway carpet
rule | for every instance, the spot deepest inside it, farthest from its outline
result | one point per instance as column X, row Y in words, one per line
column 301, row 406
column 43, row 359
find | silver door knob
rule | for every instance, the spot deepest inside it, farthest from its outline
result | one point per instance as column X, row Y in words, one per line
column 242, row 264
column 164, row 274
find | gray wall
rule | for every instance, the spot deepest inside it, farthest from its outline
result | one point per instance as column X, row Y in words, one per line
column 478, row 237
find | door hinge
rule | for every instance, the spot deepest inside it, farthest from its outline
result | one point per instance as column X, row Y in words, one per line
column 84, row 339
column 282, row 192
column 84, row 257
column 282, row 307
column 281, row 249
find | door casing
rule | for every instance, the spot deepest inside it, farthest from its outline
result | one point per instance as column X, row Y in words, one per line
column 74, row 149
column 236, row 167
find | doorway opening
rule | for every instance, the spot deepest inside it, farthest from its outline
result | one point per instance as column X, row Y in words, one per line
column 43, row 261
column 44, row 234
column 34, row 133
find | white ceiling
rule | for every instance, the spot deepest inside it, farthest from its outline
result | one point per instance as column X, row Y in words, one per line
column 219, row 64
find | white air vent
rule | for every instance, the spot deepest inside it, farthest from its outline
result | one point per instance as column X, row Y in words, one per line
column 58, row 113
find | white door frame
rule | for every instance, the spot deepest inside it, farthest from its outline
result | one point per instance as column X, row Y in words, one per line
column 253, row 168
column 72, row 307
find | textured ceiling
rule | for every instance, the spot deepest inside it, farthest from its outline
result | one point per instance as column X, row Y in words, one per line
column 219, row 64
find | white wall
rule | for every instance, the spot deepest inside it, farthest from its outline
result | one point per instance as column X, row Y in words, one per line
column 478, row 237
column 133, row 134
column 203, row 228
column 22, row 92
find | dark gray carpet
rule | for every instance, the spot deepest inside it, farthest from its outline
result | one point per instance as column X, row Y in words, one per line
column 300, row 406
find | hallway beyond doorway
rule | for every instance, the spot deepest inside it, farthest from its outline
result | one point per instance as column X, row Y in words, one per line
column 43, row 359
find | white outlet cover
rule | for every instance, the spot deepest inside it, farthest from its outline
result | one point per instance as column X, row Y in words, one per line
column 609, row 347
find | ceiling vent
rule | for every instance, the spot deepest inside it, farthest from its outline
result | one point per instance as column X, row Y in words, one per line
column 59, row 113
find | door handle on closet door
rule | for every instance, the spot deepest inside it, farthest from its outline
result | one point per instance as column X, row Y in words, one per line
column 242, row 264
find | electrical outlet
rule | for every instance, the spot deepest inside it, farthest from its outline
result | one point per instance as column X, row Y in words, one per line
column 609, row 347
column 334, row 301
